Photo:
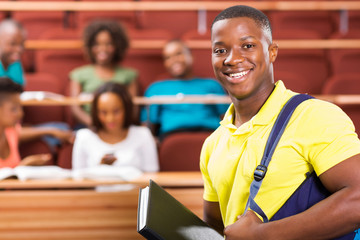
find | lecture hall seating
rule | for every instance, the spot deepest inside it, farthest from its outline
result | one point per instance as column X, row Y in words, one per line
column 345, row 60
column 181, row 151
column 35, row 147
column 346, row 83
column 42, row 81
column 60, row 62
column 304, row 70
column 202, row 57
column 130, row 19
column 177, row 22
column 38, row 22
column 319, row 22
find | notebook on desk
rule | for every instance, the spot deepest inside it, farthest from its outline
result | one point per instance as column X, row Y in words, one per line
column 162, row 217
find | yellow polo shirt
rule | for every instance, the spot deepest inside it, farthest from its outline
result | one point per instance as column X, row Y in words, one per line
column 319, row 135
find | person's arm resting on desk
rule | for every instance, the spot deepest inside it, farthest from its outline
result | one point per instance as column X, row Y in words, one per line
column 31, row 133
column 336, row 215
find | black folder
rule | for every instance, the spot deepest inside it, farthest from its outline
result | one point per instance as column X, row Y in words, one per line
column 162, row 217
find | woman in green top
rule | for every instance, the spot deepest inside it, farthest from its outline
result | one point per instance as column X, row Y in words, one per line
column 105, row 44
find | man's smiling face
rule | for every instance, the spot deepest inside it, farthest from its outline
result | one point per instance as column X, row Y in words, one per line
column 242, row 56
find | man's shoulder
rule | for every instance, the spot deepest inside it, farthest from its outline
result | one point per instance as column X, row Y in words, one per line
column 320, row 113
column 319, row 107
column 215, row 136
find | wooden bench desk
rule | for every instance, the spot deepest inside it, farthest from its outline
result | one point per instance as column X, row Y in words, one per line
column 75, row 210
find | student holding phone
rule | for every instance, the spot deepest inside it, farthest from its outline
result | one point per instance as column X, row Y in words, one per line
column 113, row 138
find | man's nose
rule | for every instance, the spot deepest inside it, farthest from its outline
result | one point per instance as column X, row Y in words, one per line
column 234, row 57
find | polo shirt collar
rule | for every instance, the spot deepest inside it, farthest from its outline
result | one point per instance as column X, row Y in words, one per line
column 272, row 106
column 267, row 113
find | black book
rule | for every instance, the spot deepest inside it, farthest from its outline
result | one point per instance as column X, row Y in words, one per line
column 162, row 217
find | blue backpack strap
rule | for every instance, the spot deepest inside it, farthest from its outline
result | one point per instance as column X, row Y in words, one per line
column 275, row 135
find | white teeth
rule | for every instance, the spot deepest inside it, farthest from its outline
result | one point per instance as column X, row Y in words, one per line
column 238, row 75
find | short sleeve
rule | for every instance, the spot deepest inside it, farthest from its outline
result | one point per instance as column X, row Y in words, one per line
column 209, row 192
column 78, row 73
column 332, row 136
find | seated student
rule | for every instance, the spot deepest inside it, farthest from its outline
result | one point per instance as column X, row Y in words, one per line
column 10, row 116
column 179, row 117
column 105, row 45
column 114, row 140
column 12, row 38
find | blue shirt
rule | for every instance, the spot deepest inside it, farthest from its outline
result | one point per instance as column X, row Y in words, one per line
column 14, row 71
column 172, row 117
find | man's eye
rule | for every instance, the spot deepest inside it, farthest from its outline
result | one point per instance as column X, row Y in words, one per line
column 249, row 45
column 219, row 51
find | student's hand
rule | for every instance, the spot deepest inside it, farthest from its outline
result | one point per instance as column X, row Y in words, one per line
column 63, row 135
column 108, row 159
column 247, row 227
column 36, row 160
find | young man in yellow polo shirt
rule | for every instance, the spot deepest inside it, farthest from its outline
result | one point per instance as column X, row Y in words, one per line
column 318, row 137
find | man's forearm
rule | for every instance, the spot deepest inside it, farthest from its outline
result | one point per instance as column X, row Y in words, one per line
column 332, row 217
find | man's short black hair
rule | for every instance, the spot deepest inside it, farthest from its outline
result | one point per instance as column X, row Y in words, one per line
column 8, row 87
column 245, row 11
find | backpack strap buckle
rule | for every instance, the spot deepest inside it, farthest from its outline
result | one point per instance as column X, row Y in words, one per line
column 260, row 172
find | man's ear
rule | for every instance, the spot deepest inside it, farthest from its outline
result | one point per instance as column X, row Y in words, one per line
column 273, row 52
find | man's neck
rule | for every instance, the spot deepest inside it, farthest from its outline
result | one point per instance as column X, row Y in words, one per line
column 247, row 108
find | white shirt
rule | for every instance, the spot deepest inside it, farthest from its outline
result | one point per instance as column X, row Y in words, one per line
column 138, row 149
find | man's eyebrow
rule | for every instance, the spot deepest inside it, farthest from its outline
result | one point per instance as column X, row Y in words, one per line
column 247, row 38
column 240, row 39
column 218, row 43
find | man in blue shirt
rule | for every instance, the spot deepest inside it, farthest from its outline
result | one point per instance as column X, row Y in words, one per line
column 182, row 117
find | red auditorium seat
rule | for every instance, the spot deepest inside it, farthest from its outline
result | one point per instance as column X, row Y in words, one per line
column 41, row 81
column 65, row 155
column 311, row 66
column 176, row 22
column 130, row 19
column 181, row 151
column 348, row 83
column 148, row 62
column 322, row 22
column 38, row 22
column 202, row 66
column 345, row 60
column 294, row 81
column 353, row 21
column 302, row 70
column 34, row 147
column 60, row 61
